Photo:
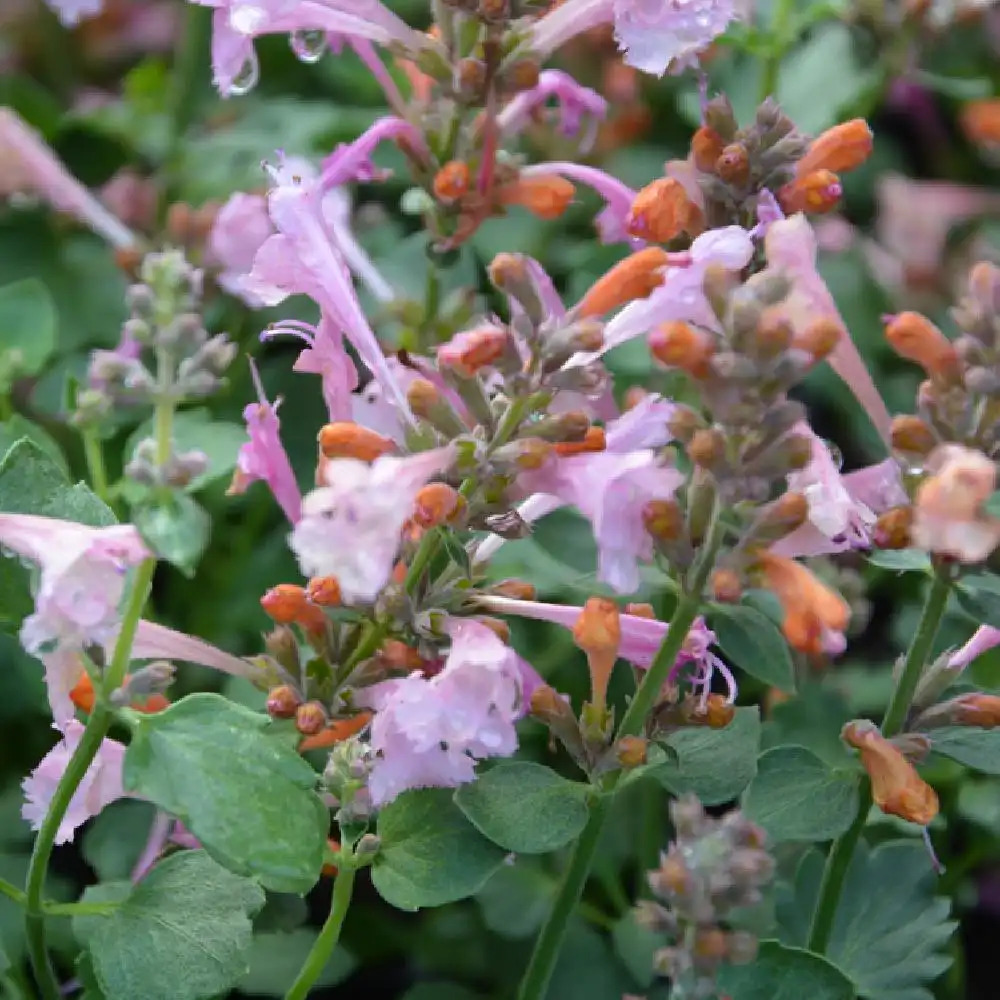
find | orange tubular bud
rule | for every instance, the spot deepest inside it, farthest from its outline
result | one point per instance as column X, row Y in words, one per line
column 287, row 604
column 912, row 435
column 451, row 182
column 593, row 440
column 437, row 503
column 916, row 338
column 497, row 626
column 350, row 440
column 679, row 345
column 662, row 210
column 546, row 196
column 633, row 278
column 819, row 338
column 706, row 148
column 336, row 732
column 814, row 193
column 632, row 751
column 598, row 633
column 283, row 702
column 977, row 710
column 839, row 149
column 399, row 656
column 726, row 586
column 422, row 396
column 324, row 591
column 663, row 519
column 520, row 590
column 981, row 121
column 707, row 448
column 892, row 529
column 469, row 351
column 896, row 787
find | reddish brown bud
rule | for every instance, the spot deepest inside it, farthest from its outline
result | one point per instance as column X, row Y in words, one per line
column 472, row 350
column 912, row 435
column 733, row 164
column 717, row 713
column 710, row 944
column 528, row 453
column 546, row 702
column 663, row 519
column 819, row 338
column 310, row 718
column 726, row 586
column 977, row 709
column 892, row 529
column 662, row 210
column 520, row 590
column 683, row 424
column 633, row 278
column 283, row 702
column 679, row 345
column 787, row 513
column 397, row 655
column 324, row 591
column 179, row 222
column 707, row 448
column 839, row 149
column 336, row 732
column 632, row 751
column 437, row 503
column 773, row 334
column 706, row 148
column 593, row 440
column 522, row 74
column 350, row 440
column 814, row 193
column 287, row 604
column 545, row 195
column 916, row 338
column 470, row 77
column 451, row 182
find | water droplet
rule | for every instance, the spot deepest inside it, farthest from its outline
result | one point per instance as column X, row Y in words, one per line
column 836, row 455
column 309, row 45
column 246, row 77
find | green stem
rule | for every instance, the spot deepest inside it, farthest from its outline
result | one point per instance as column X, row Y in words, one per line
column 191, row 56
column 783, row 10
column 509, row 423
column 421, row 558
column 94, row 453
column 6, row 407
column 12, row 892
column 90, row 743
column 546, row 952
column 839, row 858
column 315, row 963
column 79, row 909
column 432, row 299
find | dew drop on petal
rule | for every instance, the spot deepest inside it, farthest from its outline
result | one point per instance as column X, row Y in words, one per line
column 836, row 455
column 309, row 45
column 246, row 77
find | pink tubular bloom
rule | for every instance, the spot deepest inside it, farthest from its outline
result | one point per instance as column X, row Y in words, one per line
column 101, row 785
column 575, row 103
column 28, row 166
column 983, row 639
column 618, row 197
column 641, row 639
column 264, row 458
column 430, row 732
column 71, row 12
column 791, row 248
column 351, row 527
column 236, row 23
column 82, row 577
column 566, row 21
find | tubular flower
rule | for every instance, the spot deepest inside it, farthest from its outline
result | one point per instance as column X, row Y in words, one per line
column 264, row 458
column 896, row 787
column 948, row 510
column 430, row 732
column 575, row 103
column 350, row 528
column 839, row 149
column 101, row 785
column 635, row 277
column 662, row 210
column 815, row 616
column 598, row 633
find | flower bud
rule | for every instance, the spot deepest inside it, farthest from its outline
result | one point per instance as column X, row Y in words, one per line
column 706, row 148
column 641, row 611
column 911, row 435
column 916, row 338
column 819, row 338
column 631, row 751
column 634, row 395
column 633, row 278
column 662, row 210
column 569, row 426
column 520, row 590
column 283, row 702
column 594, row 440
column 839, row 149
column 287, row 604
column 397, row 655
column 329, row 869
column 545, row 195
column 310, row 718
column 717, row 713
column 707, row 448
column 511, row 274
column 784, row 515
column 772, row 335
column 497, row 626
column 470, row 82
column 598, row 633
column 710, row 946
column 683, row 423
column 815, row 193
column 468, row 352
column 521, row 75
column 324, row 591
column 663, row 519
column 726, row 586
column 981, row 121
column 679, row 345
column 525, row 453
column 437, row 503
column 977, row 709
column 332, row 734
column 451, row 182
column 349, row 440
column 892, row 529
column 733, row 164
column 984, row 285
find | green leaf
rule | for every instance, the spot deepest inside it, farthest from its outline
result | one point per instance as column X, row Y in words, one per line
column 27, row 325
column 114, row 841
column 902, row 560
column 714, row 764
column 797, row 796
column 979, row 596
column 176, row 529
column 16, row 427
column 183, row 932
column 891, row 931
column 516, row 900
column 236, row 783
column 277, row 957
column 430, row 854
column 525, row 807
column 636, row 946
column 780, row 973
column 754, row 643
column 969, row 745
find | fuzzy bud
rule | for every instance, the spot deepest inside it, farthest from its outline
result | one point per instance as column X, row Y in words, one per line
column 287, row 604
column 726, row 586
column 733, row 164
column 679, row 345
column 916, row 338
column 911, row 435
column 819, row 338
column 641, row 611
column 397, row 655
column 707, row 448
column 437, row 503
column 470, row 82
column 324, row 591
column 468, row 352
column 839, row 149
column 706, row 148
column 631, row 751
column 545, row 195
column 892, row 529
column 598, row 633
column 662, row 210
column 451, row 182
column 520, row 590
column 977, row 709
column 310, row 718
column 593, row 440
column 663, row 519
column 814, row 193
column 349, row 440
column 716, row 714
column 510, row 273
column 521, row 75
column 283, row 702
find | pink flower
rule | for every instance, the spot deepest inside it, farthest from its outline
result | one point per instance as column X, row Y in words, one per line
column 264, row 458
column 351, row 527
column 983, row 639
column 71, row 12
column 236, row 23
column 82, row 577
column 791, row 248
column 431, row 732
column 303, row 258
column 28, row 166
column 237, row 234
column 575, row 103
column 101, row 785
column 681, row 296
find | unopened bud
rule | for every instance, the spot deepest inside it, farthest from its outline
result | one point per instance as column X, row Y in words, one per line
column 521, row 75
column 634, row 395
column 594, row 440
column 310, row 718
column 324, row 591
column 470, row 82
column 706, row 148
column 544, row 195
column 631, row 751
column 839, row 149
column 984, row 285
column 772, row 335
column 683, row 423
column 437, row 503
column 892, row 529
column 525, row 453
column 815, row 193
column 981, row 121
column 598, row 633
column 710, row 945
column 569, row 426
column 707, row 448
column 788, row 512
column 911, row 435
column 451, row 182
column 520, row 590
column 977, row 709
column 349, row 440
column 662, row 211
column 641, row 610
column 663, row 519
column 633, row 278
column 511, row 274
column 819, row 338
column 397, row 655
column 679, row 345
column 470, row 351
column 916, row 338
column 369, row 844
column 733, row 164
column 283, row 702
column 726, row 586
column 287, row 604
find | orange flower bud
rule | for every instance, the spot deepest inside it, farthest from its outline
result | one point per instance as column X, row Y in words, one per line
column 841, row 148
column 397, row 655
column 711, row 944
column 641, row 611
column 598, row 633
column 633, row 278
column 283, row 702
column 336, row 732
column 911, row 434
column 819, row 338
column 662, row 210
column 83, row 695
column 896, row 787
column 815, row 193
column 773, row 334
column 349, row 440
column 324, row 591
column 497, row 626
column 707, row 448
column 717, row 713
column 977, row 710
column 471, row 350
column 287, row 604
column 451, row 182
column 546, row 196
column 523, row 74
column 593, row 440
column 470, row 76
column 706, row 148
column 546, row 702
column 981, row 121
column 437, row 503
column 520, row 590
column 733, row 164
column 726, row 586
column 892, row 529
column 422, row 396
column 528, row 453
column 663, row 519
column 916, row 338
column 632, row 751
column 310, row 718
column 679, row 345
